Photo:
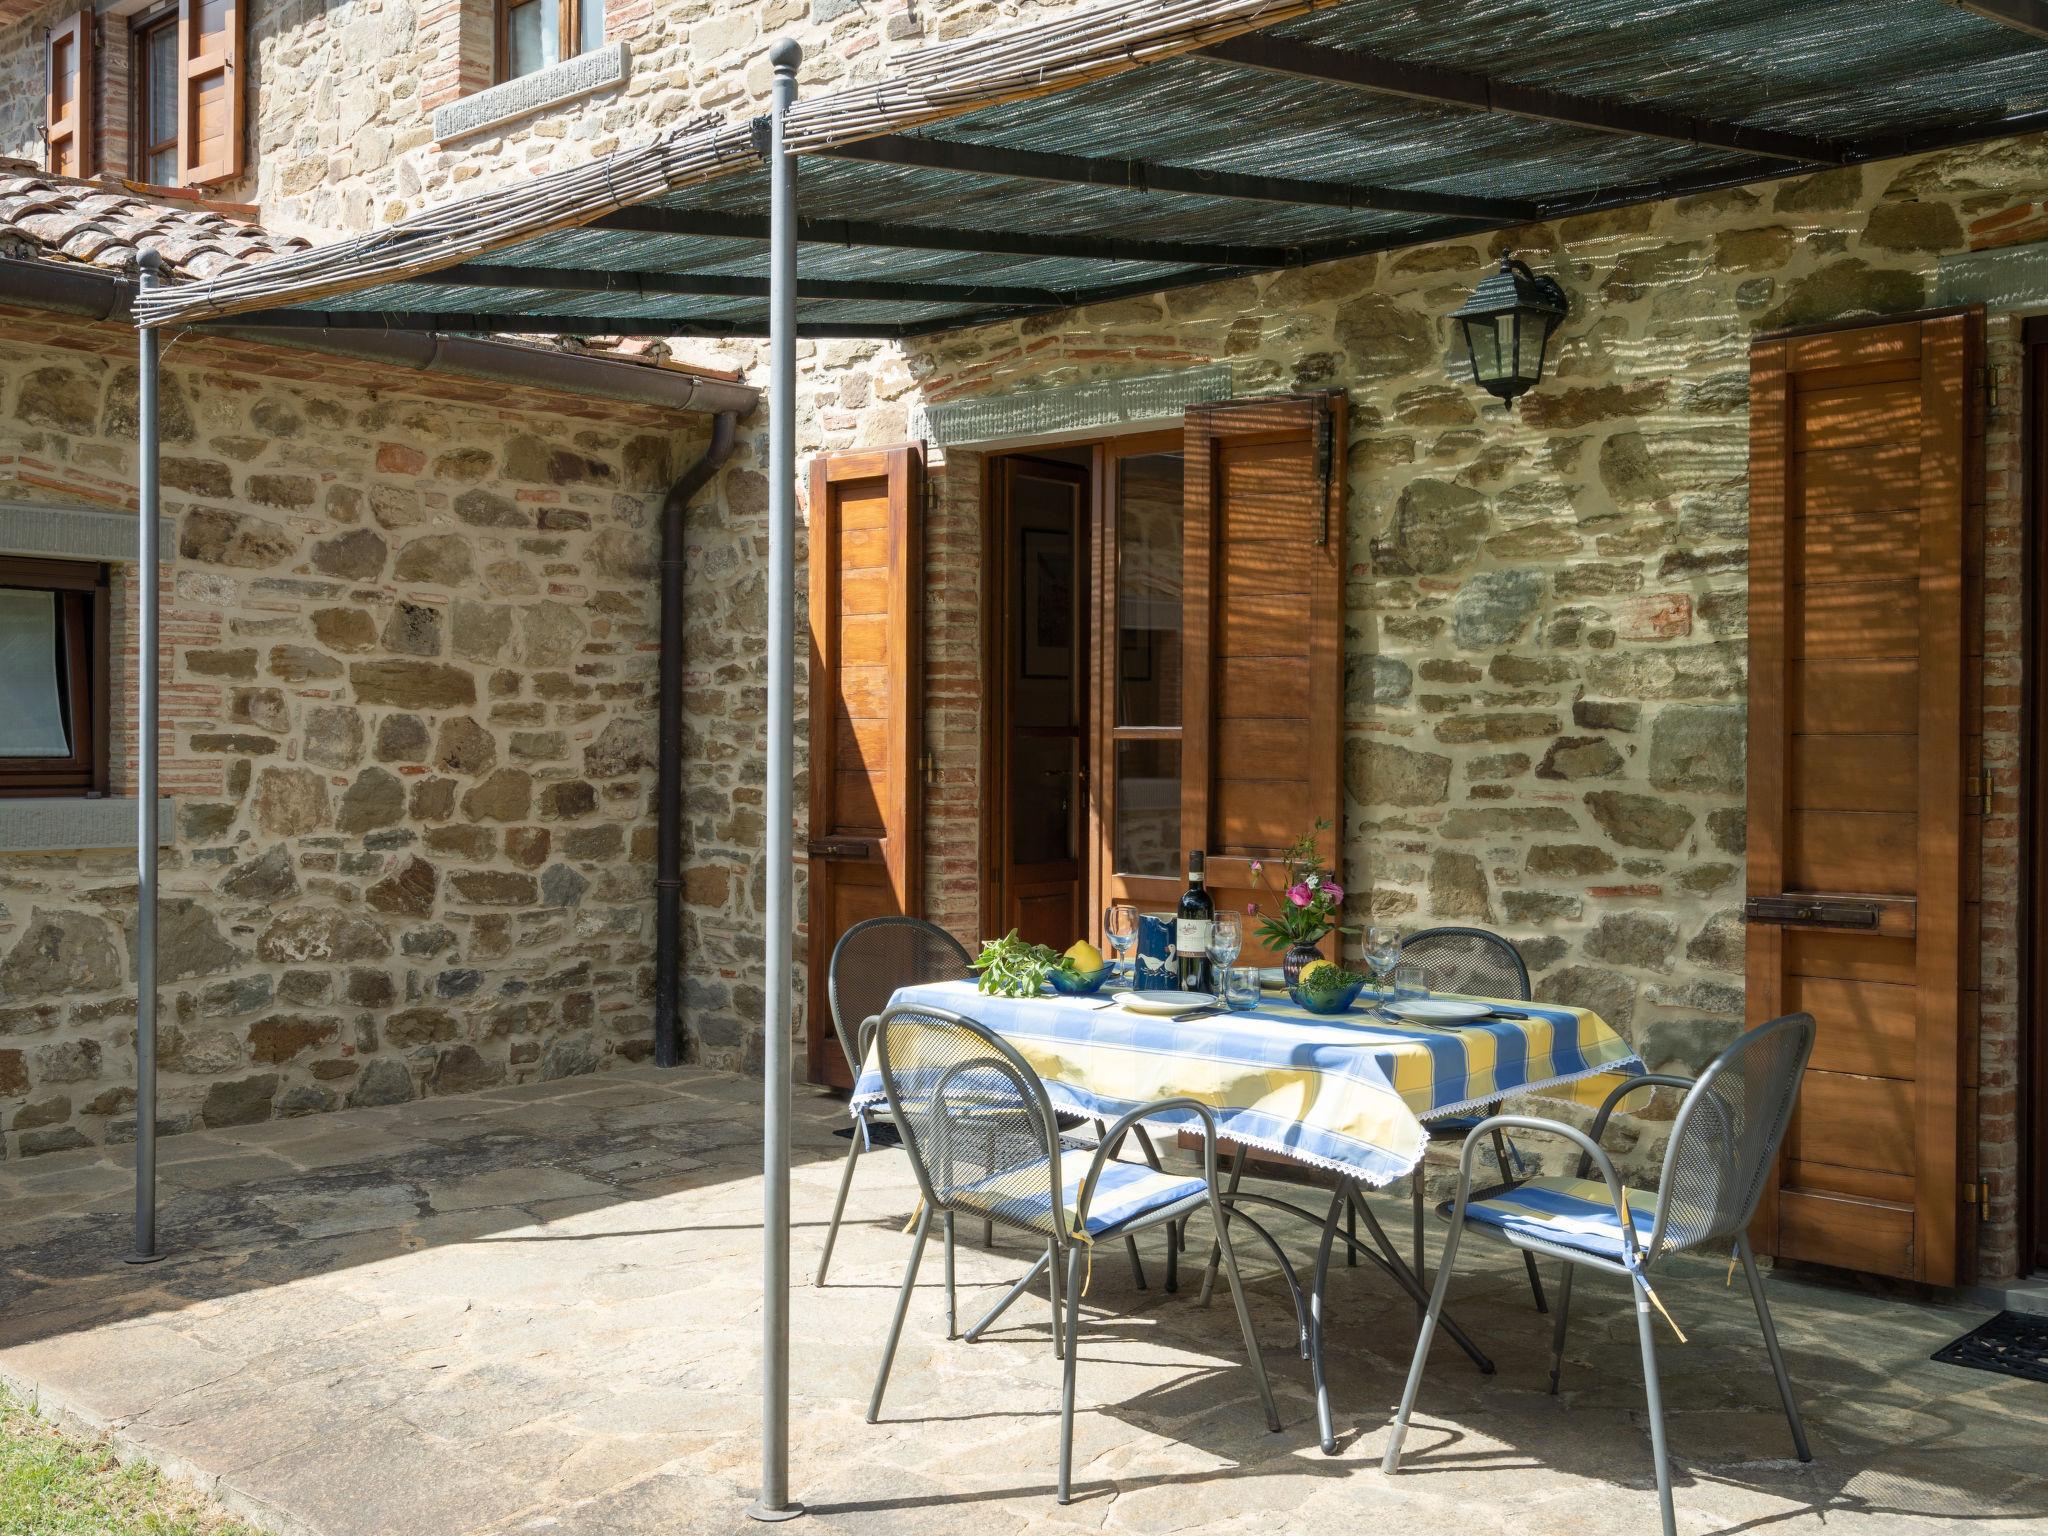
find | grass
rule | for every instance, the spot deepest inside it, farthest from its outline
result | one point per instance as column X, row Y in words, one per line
column 58, row 1484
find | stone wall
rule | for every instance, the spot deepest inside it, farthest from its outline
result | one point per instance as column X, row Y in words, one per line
column 1546, row 658
column 408, row 695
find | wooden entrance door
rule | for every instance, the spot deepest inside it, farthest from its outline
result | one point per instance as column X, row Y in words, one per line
column 1862, row 731
column 866, row 838
column 1042, row 661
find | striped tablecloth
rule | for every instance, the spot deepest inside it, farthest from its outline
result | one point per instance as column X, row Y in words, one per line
column 1349, row 1093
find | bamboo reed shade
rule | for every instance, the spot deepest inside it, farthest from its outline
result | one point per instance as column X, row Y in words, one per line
column 1152, row 143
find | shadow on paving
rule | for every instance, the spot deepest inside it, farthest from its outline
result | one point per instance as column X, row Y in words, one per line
column 537, row 1310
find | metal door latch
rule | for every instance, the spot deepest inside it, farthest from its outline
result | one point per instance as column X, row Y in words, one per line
column 1813, row 911
column 840, row 848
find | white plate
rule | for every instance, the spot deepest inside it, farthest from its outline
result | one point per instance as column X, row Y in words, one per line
column 1168, row 1003
column 1436, row 1010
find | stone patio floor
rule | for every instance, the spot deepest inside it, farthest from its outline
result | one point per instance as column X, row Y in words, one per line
column 536, row 1310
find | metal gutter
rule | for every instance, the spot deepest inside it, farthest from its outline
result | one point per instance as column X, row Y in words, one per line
column 106, row 296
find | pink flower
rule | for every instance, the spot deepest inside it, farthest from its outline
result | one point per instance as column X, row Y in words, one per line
column 1257, row 866
column 1333, row 890
column 1251, row 909
column 1300, row 895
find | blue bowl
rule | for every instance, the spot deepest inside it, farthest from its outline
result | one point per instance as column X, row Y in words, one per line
column 1078, row 983
column 1328, row 1002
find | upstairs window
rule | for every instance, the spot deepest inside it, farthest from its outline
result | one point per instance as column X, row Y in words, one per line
column 155, row 54
column 533, row 34
column 53, row 677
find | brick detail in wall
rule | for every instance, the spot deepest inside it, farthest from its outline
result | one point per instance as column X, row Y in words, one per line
column 459, row 32
column 953, row 697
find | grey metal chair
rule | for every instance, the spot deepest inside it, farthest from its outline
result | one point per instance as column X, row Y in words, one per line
column 1478, row 963
column 1722, row 1146
column 983, row 1138
column 871, row 960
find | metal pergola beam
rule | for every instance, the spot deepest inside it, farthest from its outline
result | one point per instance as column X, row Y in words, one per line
column 951, row 155
column 712, row 224
column 1481, row 93
column 532, row 323
column 2028, row 16
column 735, row 286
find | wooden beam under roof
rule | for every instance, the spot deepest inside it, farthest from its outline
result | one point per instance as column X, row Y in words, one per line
column 712, row 224
column 735, row 285
column 966, row 159
column 493, row 324
column 1480, row 93
column 2028, row 16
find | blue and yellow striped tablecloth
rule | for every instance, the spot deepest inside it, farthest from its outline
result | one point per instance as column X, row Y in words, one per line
column 1348, row 1093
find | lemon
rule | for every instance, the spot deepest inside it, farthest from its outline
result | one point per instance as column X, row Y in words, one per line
column 1086, row 956
column 1301, row 978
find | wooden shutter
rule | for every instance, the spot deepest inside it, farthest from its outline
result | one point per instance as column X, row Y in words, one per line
column 1263, row 701
column 210, row 91
column 67, row 97
column 1862, row 730
column 866, row 713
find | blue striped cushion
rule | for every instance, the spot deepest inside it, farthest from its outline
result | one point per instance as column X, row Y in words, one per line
column 1571, row 1213
column 1125, row 1192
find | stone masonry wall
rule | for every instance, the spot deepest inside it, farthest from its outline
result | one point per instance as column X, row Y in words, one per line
column 408, row 700
column 1546, row 644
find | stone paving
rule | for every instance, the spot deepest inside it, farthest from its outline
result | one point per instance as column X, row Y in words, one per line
column 536, row 1310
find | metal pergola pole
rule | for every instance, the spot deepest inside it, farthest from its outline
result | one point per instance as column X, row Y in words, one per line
column 774, row 1502
column 148, row 560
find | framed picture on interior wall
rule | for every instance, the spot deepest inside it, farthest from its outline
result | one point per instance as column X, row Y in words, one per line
column 1047, row 611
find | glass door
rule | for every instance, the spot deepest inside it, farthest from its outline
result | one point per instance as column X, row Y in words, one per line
column 1135, row 817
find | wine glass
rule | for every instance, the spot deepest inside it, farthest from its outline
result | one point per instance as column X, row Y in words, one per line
column 1120, row 927
column 1226, row 943
column 1382, row 953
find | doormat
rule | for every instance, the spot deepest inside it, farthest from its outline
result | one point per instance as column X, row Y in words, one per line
column 2012, row 1344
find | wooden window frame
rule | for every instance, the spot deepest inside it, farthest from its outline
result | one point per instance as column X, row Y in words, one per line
column 86, row 606
column 69, row 133
column 142, row 151
column 568, row 32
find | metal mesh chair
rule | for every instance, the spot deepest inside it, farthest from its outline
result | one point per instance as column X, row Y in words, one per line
column 1476, row 963
column 871, row 960
column 983, row 1138
column 1722, row 1146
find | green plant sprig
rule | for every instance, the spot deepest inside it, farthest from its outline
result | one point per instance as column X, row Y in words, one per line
column 1009, row 967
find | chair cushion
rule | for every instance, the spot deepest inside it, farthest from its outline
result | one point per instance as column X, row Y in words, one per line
column 1565, row 1212
column 1125, row 1192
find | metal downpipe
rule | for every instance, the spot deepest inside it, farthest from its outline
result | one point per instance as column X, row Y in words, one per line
column 779, row 919
column 147, row 569
column 668, row 878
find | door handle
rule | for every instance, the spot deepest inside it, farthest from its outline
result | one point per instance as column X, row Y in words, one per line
column 841, row 848
column 1812, row 911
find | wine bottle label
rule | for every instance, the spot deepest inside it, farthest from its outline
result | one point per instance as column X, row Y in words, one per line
column 1191, row 936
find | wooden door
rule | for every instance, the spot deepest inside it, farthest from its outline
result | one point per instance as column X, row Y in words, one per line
column 1042, row 653
column 866, row 842
column 1863, row 449
column 1138, row 573
column 1263, row 687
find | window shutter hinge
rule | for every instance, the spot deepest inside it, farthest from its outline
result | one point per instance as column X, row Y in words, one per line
column 1326, row 453
column 1979, row 789
column 928, row 765
column 1977, row 1194
column 1987, row 377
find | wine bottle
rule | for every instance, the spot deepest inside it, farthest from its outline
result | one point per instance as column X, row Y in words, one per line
column 1194, row 922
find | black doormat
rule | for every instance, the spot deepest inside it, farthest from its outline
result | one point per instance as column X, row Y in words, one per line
column 2012, row 1344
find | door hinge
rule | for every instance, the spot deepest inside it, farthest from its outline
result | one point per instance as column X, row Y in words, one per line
column 1977, row 1194
column 1979, row 789
column 928, row 765
column 1988, row 380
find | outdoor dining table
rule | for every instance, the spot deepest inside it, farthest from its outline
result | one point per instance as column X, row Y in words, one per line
column 1350, row 1094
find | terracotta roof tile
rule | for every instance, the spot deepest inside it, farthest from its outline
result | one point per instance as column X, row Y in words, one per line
column 109, row 224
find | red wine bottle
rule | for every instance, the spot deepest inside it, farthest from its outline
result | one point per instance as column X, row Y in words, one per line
column 1192, row 927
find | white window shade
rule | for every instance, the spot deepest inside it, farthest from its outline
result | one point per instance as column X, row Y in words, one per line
column 31, row 707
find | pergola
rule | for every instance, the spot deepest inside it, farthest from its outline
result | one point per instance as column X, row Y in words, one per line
column 1120, row 150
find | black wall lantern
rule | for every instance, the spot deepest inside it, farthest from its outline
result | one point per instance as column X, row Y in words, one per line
column 1507, row 322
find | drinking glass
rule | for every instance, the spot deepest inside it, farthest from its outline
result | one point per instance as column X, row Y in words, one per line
column 1226, row 941
column 1410, row 980
column 1241, row 988
column 1120, row 927
column 1382, row 953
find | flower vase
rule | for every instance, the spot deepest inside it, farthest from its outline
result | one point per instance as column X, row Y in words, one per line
column 1296, row 959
